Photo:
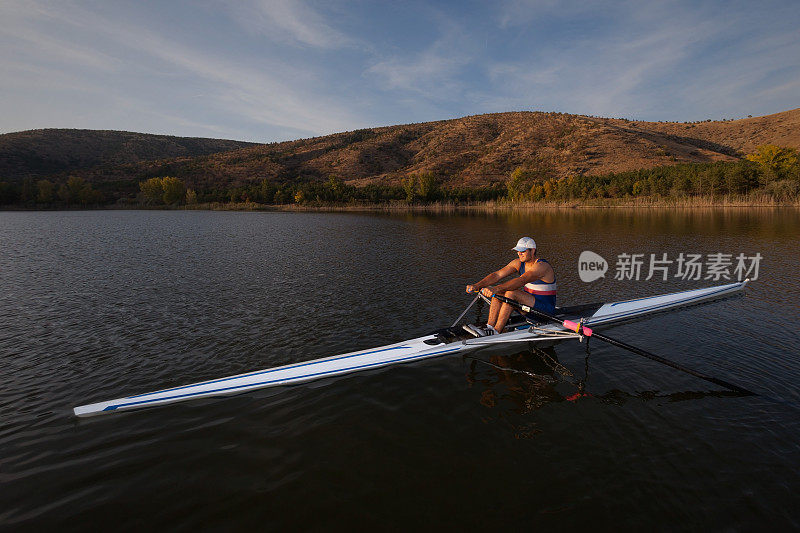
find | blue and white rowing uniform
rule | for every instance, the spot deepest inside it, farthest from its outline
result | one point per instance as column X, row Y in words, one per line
column 545, row 293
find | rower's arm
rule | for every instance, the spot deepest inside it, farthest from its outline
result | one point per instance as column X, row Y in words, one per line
column 529, row 276
column 497, row 275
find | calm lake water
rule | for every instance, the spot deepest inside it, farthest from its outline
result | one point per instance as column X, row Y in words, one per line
column 98, row 305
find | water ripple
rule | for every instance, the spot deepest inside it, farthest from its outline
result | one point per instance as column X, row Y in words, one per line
column 99, row 305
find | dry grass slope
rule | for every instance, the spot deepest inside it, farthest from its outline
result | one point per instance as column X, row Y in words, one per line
column 470, row 151
column 484, row 149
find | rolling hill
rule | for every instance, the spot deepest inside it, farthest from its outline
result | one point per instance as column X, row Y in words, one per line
column 471, row 151
column 49, row 152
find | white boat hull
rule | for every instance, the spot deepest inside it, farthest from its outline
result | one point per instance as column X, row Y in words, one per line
column 402, row 352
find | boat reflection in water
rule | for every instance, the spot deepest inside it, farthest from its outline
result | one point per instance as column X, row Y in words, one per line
column 527, row 378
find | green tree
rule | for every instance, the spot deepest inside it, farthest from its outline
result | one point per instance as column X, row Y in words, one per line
column 549, row 187
column 45, row 191
column 427, row 186
column 741, row 179
column 518, row 184
column 283, row 195
column 153, row 190
column 76, row 186
column 87, row 195
column 191, row 197
column 28, row 193
column 63, row 194
column 777, row 162
column 537, row 192
column 337, row 189
column 715, row 179
column 266, row 192
column 234, row 195
column 72, row 192
column 683, row 185
column 174, row 190
column 410, row 187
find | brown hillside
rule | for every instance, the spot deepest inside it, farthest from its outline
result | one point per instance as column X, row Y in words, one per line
column 482, row 149
column 475, row 150
column 742, row 135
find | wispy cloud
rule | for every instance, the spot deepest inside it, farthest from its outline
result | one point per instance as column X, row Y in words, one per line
column 433, row 73
column 278, row 69
column 430, row 70
column 790, row 88
column 27, row 42
column 660, row 61
column 273, row 93
column 516, row 13
column 288, row 21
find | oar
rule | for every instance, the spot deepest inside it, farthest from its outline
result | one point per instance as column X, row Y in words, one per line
column 465, row 310
column 588, row 332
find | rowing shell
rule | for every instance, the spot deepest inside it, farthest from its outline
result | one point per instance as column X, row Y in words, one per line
column 427, row 347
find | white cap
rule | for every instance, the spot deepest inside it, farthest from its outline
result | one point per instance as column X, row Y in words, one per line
column 524, row 243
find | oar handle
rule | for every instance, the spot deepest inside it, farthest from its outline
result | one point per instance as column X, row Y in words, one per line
column 577, row 327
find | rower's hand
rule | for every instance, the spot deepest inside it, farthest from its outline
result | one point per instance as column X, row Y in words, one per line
column 471, row 288
column 486, row 291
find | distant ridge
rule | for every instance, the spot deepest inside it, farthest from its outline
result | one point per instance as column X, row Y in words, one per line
column 46, row 152
column 470, row 151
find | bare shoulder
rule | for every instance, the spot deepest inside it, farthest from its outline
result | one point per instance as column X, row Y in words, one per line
column 544, row 269
column 510, row 268
column 542, row 266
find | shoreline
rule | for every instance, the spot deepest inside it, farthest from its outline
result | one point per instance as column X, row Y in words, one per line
column 490, row 206
column 506, row 207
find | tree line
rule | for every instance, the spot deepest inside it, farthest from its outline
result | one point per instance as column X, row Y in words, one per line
column 771, row 171
column 415, row 188
column 74, row 192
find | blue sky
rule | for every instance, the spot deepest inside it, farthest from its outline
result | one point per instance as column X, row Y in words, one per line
column 274, row 70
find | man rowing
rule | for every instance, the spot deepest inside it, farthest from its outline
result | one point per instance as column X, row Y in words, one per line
column 535, row 287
